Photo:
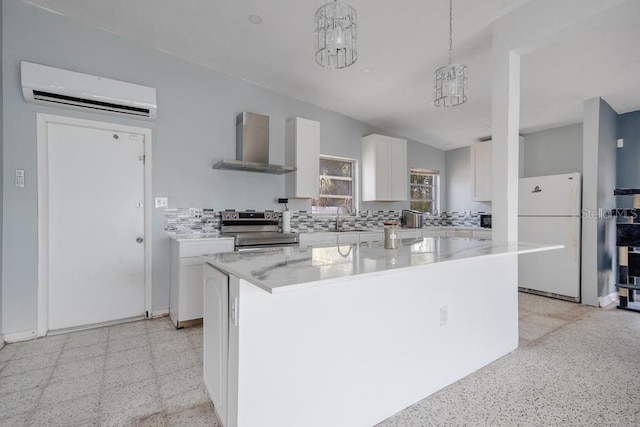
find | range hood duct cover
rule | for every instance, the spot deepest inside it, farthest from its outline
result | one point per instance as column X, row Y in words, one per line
column 252, row 146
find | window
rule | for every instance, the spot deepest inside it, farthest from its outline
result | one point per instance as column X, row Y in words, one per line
column 423, row 186
column 336, row 185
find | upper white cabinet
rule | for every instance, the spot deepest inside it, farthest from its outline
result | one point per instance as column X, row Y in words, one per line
column 384, row 168
column 481, row 171
column 302, row 150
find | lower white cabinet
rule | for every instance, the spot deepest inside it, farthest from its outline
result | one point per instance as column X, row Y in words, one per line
column 185, row 299
column 220, row 336
column 216, row 338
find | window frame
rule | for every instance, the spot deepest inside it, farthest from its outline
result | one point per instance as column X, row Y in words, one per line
column 353, row 180
column 435, row 200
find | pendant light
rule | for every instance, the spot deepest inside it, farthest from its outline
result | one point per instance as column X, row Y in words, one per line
column 450, row 81
column 336, row 28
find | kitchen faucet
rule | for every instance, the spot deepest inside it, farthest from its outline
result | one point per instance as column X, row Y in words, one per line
column 338, row 215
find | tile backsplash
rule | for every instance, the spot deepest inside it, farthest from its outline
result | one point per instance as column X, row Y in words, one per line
column 207, row 221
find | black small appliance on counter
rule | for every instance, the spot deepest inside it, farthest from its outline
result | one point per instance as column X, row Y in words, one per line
column 485, row 220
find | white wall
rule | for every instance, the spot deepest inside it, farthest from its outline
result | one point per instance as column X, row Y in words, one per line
column 553, row 151
column 195, row 128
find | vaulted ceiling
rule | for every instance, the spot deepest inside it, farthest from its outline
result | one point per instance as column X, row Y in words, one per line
column 400, row 44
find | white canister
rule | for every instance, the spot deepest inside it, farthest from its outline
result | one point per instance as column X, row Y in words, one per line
column 286, row 221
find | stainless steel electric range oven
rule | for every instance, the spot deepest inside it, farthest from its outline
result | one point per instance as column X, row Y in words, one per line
column 253, row 230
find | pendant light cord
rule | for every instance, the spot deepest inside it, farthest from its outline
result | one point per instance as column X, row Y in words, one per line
column 450, row 31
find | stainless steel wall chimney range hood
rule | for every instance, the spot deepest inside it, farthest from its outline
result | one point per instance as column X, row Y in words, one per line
column 252, row 147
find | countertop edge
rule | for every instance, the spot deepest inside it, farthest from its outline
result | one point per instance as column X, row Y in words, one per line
column 329, row 281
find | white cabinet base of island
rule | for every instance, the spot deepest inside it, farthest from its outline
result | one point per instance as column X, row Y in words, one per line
column 352, row 351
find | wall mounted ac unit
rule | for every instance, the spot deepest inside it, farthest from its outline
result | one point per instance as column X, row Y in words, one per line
column 52, row 86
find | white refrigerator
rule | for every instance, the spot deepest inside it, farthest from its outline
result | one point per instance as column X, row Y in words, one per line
column 549, row 209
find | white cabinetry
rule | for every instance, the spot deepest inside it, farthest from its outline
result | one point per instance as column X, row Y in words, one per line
column 482, row 234
column 468, row 234
column 384, row 168
column 220, row 342
column 302, row 150
column 318, row 239
column 371, row 236
column 435, row 232
column 185, row 299
column 348, row 238
column 481, row 171
column 216, row 338
column 410, row 234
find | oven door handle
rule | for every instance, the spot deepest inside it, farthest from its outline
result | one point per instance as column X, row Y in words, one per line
column 247, row 249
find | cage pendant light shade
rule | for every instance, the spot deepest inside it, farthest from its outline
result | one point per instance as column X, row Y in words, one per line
column 450, row 81
column 336, row 35
column 450, row 86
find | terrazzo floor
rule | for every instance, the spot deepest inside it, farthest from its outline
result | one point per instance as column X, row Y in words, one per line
column 575, row 366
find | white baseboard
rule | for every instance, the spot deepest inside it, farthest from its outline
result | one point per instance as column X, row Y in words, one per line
column 159, row 313
column 21, row 336
column 608, row 299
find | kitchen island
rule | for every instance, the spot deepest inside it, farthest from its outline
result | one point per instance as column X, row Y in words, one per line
column 350, row 335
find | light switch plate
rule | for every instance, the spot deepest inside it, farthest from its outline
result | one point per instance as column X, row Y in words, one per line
column 19, row 181
column 162, row 202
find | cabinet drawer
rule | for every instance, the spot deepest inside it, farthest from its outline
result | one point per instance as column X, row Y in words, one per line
column 313, row 239
column 434, row 233
column 482, row 234
column 193, row 249
column 348, row 238
column 374, row 236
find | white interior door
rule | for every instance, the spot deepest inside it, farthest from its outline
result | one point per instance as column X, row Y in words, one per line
column 96, row 225
column 556, row 271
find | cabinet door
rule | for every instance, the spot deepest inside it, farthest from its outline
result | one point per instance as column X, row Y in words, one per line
column 398, row 167
column 185, row 298
column 190, row 298
column 481, row 171
column 302, row 151
column 384, row 168
column 216, row 338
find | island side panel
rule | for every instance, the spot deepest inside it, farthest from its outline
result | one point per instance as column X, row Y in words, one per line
column 354, row 353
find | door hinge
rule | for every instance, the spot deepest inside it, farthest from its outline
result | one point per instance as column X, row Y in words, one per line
column 143, row 158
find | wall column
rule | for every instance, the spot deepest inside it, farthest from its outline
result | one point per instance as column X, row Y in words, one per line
column 505, row 111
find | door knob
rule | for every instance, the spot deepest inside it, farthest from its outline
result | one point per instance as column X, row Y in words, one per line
column 139, row 240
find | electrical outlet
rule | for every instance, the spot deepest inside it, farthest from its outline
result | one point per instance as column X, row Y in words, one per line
column 192, row 211
column 162, row 202
column 444, row 315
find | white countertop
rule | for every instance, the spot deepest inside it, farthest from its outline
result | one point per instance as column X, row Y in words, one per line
column 284, row 269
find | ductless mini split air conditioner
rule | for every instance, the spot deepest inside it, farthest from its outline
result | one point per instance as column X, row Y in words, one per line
column 52, row 86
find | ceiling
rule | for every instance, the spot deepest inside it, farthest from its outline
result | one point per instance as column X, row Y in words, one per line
column 401, row 42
